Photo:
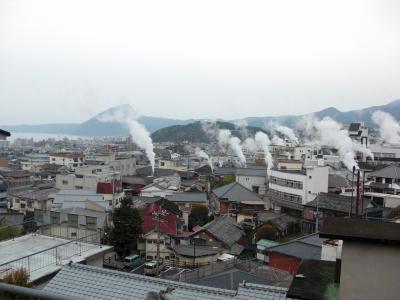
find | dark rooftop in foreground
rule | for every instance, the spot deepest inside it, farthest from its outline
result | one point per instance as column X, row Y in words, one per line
column 5, row 133
column 360, row 229
column 86, row 282
column 317, row 283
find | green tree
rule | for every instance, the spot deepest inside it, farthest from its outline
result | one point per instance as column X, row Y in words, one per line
column 127, row 228
column 8, row 232
column 395, row 212
column 198, row 216
column 17, row 277
column 266, row 231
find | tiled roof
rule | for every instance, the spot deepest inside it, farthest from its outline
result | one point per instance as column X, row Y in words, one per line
column 388, row 172
column 88, row 282
column 259, row 172
column 225, row 229
column 308, row 247
column 332, row 202
column 359, row 229
column 235, row 192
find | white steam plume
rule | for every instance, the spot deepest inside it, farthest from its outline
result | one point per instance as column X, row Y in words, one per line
column 331, row 134
column 126, row 116
column 276, row 140
column 203, row 154
column 288, row 132
column 250, row 144
column 389, row 128
column 263, row 141
column 364, row 150
column 225, row 138
column 242, row 125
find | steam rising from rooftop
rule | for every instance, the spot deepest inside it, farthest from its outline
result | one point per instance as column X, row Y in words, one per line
column 288, row 132
column 126, row 116
column 389, row 128
column 203, row 154
column 263, row 141
column 225, row 138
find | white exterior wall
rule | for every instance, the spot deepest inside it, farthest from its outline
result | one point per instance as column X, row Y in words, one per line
column 285, row 189
column 318, row 183
column 314, row 182
column 66, row 161
column 303, row 152
column 86, row 178
column 250, row 181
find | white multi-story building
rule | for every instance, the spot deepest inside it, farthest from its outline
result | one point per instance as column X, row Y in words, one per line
column 253, row 179
column 289, row 190
column 124, row 164
column 31, row 161
column 86, row 177
column 72, row 160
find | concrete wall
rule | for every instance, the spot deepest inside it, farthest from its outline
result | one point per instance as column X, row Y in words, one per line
column 250, row 181
column 369, row 271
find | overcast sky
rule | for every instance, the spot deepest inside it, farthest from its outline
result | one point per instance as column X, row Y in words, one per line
column 64, row 61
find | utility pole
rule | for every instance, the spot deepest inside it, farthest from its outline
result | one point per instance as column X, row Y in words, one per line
column 352, row 192
column 317, row 217
column 158, row 215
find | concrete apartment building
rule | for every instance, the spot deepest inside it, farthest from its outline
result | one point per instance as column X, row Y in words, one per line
column 291, row 187
column 31, row 162
column 125, row 164
column 87, row 177
column 72, row 160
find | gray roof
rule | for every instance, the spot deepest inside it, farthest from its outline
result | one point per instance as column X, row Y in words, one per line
column 308, row 247
column 235, row 192
column 187, row 197
column 83, row 212
column 259, row 172
column 176, row 198
column 88, row 282
column 225, row 229
column 187, row 250
column 332, row 202
column 34, row 193
column 281, row 221
column 230, row 279
column 392, row 171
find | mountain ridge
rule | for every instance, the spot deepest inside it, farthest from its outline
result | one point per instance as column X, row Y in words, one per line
column 93, row 127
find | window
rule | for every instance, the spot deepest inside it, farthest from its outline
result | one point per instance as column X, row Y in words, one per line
column 72, row 220
column 55, row 217
column 255, row 188
column 149, row 257
column 65, row 182
column 162, row 164
column 23, row 205
column 79, row 176
column 91, row 222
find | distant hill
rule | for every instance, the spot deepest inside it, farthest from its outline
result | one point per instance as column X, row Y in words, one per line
column 193, row 132
column 361, row 115
column 93, row 127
